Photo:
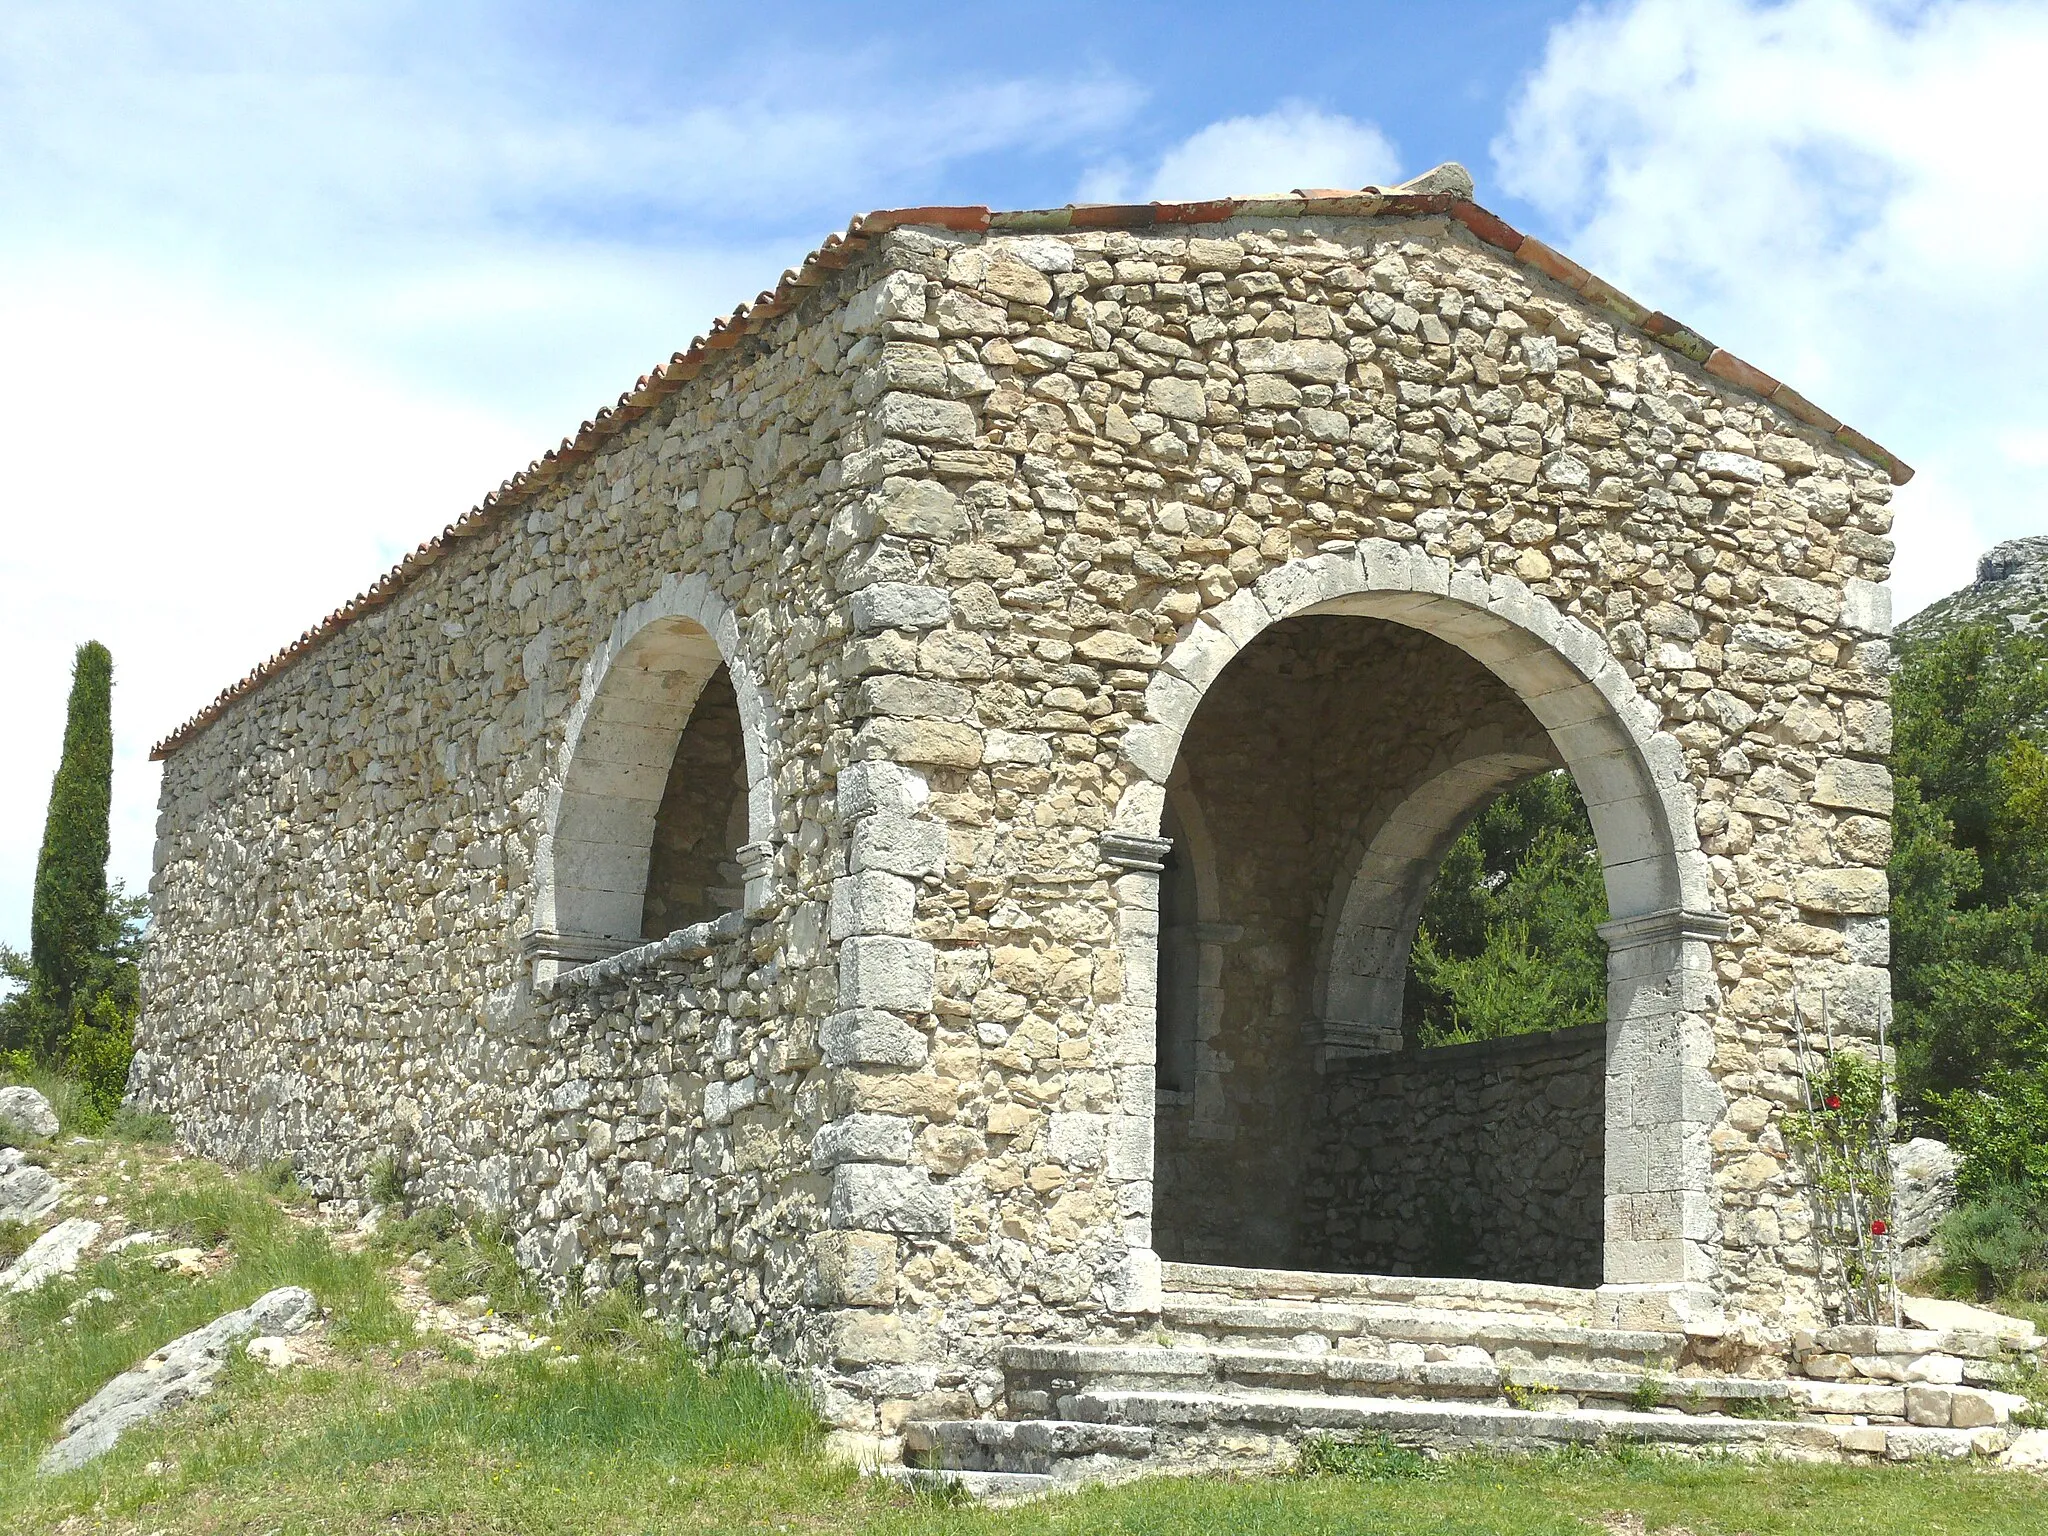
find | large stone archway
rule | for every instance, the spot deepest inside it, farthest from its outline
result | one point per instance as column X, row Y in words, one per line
column 1660, row 1229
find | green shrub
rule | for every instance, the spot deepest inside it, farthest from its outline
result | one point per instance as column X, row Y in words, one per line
column 1375, row 1459
column 1991, row 1245
column 469, row 1260
column 387, row 1182
column 142, row 1125
column 422, row 1230
column 279, row 1178
column 2000, row 1131
column 98, row 1049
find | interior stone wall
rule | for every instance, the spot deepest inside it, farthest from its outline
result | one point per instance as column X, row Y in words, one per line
column 1304, row 745
column 693, row 872
column 1483, row 1161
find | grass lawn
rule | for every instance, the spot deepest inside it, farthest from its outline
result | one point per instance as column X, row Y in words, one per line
column 620, row 1431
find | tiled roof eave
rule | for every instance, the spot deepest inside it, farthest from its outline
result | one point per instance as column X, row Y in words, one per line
column 839, row 251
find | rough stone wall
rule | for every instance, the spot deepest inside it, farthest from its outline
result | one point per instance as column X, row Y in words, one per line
column 345, row 867
column 1482, row 1160
column 1302, row 747
column 694, row 872
column 964, row 503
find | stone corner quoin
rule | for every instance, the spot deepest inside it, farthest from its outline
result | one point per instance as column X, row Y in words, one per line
column 978, row 527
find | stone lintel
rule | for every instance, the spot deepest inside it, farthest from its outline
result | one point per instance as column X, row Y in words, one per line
column 570, row 948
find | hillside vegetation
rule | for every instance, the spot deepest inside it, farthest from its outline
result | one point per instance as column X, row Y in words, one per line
column 609, row 1425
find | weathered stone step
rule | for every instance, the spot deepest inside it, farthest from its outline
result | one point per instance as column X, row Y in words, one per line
column 1217, row 1428
column 1862, row 1342
column 1932, row 1403
column 1225, row 1282
column 988, row 1487
column 1041, row 1447
column 1516, row 1338
column 1571, row 1387
column 1042, row 1373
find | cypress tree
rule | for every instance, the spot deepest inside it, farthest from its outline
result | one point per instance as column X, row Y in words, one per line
column 68, row 920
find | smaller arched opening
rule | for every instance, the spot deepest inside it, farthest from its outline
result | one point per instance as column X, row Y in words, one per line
column 693, row 868
column 1363, row 981
column 1464, row 1037
column 661, row 819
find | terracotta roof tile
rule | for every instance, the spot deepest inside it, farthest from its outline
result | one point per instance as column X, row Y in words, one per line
column 837, row 251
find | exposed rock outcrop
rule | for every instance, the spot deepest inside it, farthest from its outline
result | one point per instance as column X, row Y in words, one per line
column 55, row 1253
column 2011, row 589
column 182, row 1370
column 1923, row 1187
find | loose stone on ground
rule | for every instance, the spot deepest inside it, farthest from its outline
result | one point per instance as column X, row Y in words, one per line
column 27, row 1113
column 55, row 1253
column 27, row 1193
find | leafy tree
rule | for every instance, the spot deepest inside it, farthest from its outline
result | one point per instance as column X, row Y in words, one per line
column 68, row 917
column 77, row 990
column 1969, row 879
column 1507, row 942
column 1970, row 708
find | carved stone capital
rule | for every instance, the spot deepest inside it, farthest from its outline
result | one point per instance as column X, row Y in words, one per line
column 1127, row 850
column 1668, row 926
column 1341, row 1039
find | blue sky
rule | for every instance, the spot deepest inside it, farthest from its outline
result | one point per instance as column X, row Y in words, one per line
column 285, row 288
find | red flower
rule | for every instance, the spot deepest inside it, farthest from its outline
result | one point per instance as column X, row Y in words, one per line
column 1833, row 1101
column 1880, row 1226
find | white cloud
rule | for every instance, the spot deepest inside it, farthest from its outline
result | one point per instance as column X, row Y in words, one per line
column 287, row 289
column 1294, row 145
column 1846, row 192
column 267, row 126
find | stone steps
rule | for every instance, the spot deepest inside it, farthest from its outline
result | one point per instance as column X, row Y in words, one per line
column 1246, row 1365
column 1266, row 1425
column 1041, row 1374
column 1068, row 1449
column 1197, row 1431
column 1222, row 1282
column 1515, row 1337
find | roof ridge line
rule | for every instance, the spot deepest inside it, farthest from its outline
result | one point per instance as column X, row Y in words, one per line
column 839, row 251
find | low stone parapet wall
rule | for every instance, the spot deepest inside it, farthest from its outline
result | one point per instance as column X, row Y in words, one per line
column 1483, row 1160
column 668, row 1150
